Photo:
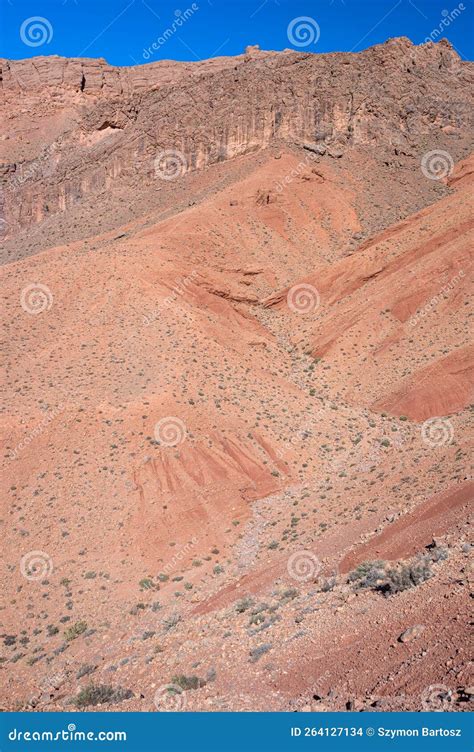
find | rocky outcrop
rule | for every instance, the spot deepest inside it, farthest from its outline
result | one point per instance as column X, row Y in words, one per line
column 81, row 127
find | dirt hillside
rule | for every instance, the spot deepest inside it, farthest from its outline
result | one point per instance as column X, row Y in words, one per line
column 237, row 368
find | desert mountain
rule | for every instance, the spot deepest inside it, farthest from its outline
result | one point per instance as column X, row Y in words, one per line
column 237, row 305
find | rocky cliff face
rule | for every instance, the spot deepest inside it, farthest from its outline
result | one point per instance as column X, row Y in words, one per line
column 78, row 128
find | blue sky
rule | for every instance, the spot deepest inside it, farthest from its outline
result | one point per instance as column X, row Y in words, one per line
column 124, row 31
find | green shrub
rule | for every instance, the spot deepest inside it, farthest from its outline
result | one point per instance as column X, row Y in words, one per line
column 390, row 579
column 256, row 653
column 244, row 604
column 85, row 669
column 257, row 618
column 369, row 574
column 100, row 694
column 408, row 575
column 188, row 682
column 75, row 630
column 288, row 595
column 146, row 583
